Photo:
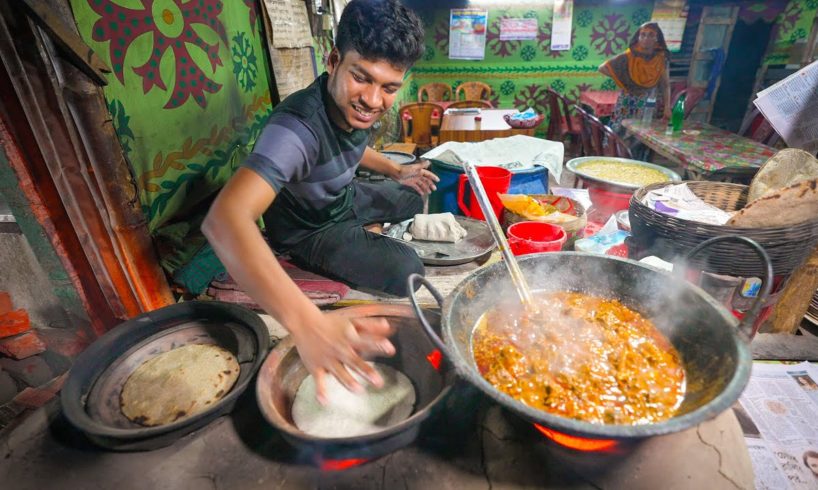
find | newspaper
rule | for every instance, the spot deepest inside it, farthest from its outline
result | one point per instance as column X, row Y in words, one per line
column 778, row 413
column 791, row 107
column 288, row 23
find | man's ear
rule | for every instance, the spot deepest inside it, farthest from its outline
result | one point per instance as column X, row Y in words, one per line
column 333, row 60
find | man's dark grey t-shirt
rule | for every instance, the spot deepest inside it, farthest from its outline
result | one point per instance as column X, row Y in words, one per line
column 306, row 158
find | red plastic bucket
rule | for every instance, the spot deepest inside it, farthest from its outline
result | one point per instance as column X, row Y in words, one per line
column 531, row 237
column 496, row 180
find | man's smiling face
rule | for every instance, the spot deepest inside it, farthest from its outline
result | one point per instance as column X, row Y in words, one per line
column 363, row 90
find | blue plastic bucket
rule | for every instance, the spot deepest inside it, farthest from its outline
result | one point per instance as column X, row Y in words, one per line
column 444, row 199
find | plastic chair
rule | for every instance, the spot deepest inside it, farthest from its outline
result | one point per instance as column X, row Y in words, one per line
column 562, row 124
column 584, row 131
column 613, row 145
column 416, row 120
column 693, row 96
column 466, row 104
column 597, row 135
column 473, row 91
column 435, row 92
column 757, row 128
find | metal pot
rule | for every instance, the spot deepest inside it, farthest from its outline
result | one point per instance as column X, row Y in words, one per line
column 416, row 357
column 713, row 346
column 575, row 166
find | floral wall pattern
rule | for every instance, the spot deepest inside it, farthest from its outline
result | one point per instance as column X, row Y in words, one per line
column 521, row 71
column 792, row 26
column 189, row 92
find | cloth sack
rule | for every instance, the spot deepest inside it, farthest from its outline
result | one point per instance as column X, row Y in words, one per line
column 441, row 227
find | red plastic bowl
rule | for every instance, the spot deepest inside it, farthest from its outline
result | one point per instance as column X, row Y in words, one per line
column 531, row 237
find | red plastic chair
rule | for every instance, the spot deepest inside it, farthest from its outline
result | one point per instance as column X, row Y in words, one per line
column 613, row 146
column 693, row 96
column 562, row 125
column 757, row 128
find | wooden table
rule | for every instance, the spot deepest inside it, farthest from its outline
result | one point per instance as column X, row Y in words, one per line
column 461, row 127
column 700, row 148
column 602, row 102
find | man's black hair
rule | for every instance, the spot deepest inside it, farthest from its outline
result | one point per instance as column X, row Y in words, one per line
column 381, row 30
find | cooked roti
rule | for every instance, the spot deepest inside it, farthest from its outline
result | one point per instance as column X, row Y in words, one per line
column 789, row 206
column 787, row 167
column 348, row 414
column 178, row 384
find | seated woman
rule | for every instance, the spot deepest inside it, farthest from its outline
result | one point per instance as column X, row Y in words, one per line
column 641, row 70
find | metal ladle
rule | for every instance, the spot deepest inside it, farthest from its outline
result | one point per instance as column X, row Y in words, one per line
column 494, row 226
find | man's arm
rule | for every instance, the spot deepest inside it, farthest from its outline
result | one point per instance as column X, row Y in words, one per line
column 414, row 175
column 326, row 343
column 373, row 160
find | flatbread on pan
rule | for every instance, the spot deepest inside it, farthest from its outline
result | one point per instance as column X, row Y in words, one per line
column 789, row 206
column 787, row 167
column 178, row 384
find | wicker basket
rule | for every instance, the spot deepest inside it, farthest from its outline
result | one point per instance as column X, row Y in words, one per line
column 574, row 229
column 668, row 237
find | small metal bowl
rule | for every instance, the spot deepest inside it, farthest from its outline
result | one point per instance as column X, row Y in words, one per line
column 416, row 357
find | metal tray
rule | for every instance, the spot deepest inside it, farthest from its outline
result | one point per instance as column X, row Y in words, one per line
column 477, row 244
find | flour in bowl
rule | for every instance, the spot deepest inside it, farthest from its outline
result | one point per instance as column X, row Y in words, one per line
column 348, row 414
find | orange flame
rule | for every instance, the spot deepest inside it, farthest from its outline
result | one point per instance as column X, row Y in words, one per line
column 341, row 464
column 434, row 358
column 577, row 443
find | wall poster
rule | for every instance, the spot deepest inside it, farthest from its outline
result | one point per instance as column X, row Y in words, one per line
column 518, row 29
column 467, row 34
column 561, row 32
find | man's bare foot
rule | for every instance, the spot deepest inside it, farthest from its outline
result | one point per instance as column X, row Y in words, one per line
column 374, row 228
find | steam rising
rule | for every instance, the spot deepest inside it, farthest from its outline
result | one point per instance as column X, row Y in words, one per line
column 574, row 340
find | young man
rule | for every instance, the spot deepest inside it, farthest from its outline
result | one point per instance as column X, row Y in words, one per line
column 300, row 178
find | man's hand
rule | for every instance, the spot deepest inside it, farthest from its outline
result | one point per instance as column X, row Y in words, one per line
column 417, row 176
column 336, row 344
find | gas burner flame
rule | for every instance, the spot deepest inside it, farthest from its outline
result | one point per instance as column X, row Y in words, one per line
column 341, row 464
column 577, row 443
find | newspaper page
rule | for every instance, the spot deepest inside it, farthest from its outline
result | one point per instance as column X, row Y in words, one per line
column 791, row 107
column 288, row 23
column 778, row 413
column 293, row 68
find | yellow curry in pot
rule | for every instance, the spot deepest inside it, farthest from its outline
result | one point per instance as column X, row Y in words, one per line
column 581, row 357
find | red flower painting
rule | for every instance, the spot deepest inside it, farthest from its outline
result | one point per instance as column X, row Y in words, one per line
column 610, row 34
column 170, row 23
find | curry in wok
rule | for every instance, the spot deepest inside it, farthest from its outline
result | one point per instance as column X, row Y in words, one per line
column 582, row 357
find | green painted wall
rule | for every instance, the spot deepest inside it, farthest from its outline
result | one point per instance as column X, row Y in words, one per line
column 520, row 71
column 791, row 26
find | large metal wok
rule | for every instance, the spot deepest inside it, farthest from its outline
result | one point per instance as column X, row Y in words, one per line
column 713, row 346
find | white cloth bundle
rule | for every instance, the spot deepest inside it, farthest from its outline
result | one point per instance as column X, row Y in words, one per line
column 440, row 227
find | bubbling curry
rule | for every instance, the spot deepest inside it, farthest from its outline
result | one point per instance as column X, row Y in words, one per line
column 581, row 357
